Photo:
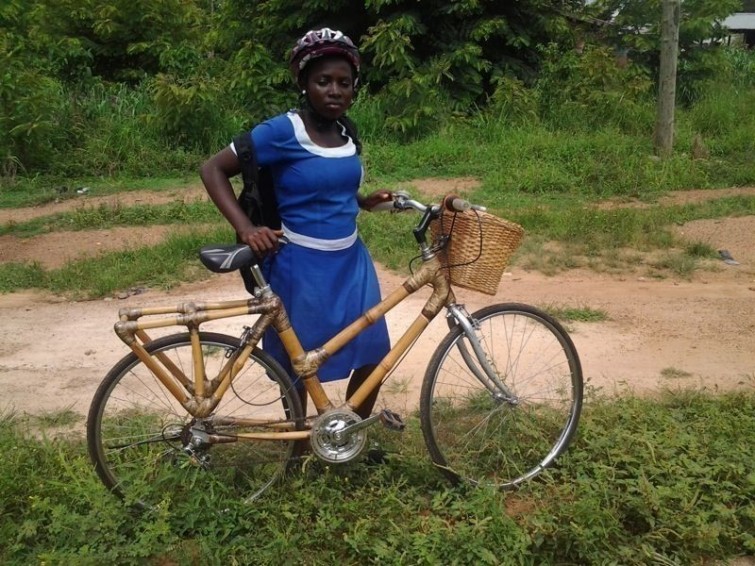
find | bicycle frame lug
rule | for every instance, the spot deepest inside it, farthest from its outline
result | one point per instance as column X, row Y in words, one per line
column 198, row 438
column 427, row 252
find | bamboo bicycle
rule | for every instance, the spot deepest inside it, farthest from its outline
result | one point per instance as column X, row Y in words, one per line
column 500, row 400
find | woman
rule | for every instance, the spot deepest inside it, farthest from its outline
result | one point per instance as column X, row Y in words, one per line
column 324, row 275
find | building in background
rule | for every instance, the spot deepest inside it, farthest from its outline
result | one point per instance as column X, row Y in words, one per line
column 743, row 23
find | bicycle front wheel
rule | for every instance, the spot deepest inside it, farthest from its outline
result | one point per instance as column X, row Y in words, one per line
column 147, row 448
column 502, row 420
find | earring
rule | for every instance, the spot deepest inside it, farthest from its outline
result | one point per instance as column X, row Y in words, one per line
column 304, row 92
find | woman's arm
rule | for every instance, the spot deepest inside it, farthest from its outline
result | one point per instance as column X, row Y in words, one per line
column 216, row 175
column 367, row 202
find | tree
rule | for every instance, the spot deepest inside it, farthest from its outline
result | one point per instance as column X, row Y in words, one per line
column 418, row 55
column 118, row 40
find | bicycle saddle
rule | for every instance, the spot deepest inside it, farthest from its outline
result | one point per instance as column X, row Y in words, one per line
column 226, row 258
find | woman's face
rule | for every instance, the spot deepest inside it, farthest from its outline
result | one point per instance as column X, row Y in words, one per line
column 330, row 86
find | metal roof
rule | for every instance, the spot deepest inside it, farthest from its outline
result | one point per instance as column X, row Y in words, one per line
column 741, row 21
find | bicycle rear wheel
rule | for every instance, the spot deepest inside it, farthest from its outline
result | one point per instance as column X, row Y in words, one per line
column 147, row 448
column 502, row 434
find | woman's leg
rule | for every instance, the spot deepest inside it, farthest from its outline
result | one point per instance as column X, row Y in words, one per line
column 358, row 377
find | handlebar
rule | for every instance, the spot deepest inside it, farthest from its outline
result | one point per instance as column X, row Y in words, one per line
column 456, row 204
column 430, row 212
column 402, row 201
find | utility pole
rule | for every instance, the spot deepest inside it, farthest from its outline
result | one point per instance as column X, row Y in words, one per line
column 664, row 124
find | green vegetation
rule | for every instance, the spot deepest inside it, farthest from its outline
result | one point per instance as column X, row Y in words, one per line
column 163, row 266
column 527, row 98
column 580, row 235
column 94, row 218
column 576, row 314
column 666, row 481
column 97, row 88
column 119, row 95
column 553, row 182
column 674, row 373
column 587, row 237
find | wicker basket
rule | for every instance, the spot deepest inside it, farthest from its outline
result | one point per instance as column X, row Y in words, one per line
column 477, row 263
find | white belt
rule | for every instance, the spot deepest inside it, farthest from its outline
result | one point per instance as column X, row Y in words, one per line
column 317, row 243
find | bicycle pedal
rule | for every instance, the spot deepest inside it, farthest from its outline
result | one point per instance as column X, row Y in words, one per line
column 392, row 421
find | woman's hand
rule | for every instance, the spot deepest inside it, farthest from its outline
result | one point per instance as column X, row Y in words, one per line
column 261, row 239
column 373, row 199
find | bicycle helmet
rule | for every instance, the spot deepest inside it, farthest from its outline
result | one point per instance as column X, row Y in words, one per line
column 319, row 43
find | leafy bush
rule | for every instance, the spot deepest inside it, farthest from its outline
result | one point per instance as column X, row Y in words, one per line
column 180, row 78
column 512, row 102
column 188, row 112
column 32, row 107
column 593, row 89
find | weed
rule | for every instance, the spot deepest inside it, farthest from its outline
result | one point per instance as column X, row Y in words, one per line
column 396, row 386
column 645, row 481
column 576, row 314
column 699, row 250
column 15, row 276
column 62, row 417
column 674, row 373
column 678, row 263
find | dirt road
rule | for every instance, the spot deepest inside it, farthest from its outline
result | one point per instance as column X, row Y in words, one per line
column 660, row 333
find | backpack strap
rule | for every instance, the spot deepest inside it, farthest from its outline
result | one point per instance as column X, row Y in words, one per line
column 249, row 198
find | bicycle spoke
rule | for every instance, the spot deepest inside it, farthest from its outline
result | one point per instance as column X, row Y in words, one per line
column 145, row 444
column 476, row 436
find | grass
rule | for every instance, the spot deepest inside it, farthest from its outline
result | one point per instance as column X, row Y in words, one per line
column 107, row 216
column 576, row 314
column 38, row 190
column 162, row 266
column 561, row 234
column 549, row 178
column 665, row 480
column 62, row 417
column 674, row 373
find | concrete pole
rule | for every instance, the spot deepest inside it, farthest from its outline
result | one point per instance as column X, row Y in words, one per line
column 664, row 124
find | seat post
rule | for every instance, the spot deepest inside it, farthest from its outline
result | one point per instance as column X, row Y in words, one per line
column 259, row 278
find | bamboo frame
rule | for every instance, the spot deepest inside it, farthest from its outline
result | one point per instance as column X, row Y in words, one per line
column 199, row 396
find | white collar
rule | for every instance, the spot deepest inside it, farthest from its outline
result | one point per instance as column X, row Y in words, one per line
column 346, row 150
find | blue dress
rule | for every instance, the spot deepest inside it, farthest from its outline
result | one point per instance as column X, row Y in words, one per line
column 325, row 276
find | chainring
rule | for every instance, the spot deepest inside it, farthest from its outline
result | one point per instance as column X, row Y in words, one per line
column 328, row 441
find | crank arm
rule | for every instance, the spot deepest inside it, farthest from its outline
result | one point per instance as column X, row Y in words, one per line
column 369, row 421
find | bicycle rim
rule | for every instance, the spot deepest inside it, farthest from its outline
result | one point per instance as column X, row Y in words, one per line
column 495, row 435
column 140, row 437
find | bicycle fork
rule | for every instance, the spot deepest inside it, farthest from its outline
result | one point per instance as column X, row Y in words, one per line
column 481, row 366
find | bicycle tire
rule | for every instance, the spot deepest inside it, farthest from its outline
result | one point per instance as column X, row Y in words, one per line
column 137, row 432
column 478, row 436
